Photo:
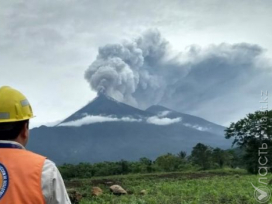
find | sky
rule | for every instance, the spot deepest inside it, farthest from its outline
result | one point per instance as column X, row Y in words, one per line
column 47, row 46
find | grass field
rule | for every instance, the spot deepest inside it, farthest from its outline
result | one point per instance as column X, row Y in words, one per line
column 205, row 187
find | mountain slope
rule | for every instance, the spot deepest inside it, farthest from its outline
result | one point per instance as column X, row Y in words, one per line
column 105, row 105
column 188, row 120
column 115, row 140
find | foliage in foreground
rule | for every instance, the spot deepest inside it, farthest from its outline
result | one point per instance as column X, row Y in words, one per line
column 213, row 187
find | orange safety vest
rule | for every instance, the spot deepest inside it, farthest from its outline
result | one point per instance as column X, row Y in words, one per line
column 20, row 176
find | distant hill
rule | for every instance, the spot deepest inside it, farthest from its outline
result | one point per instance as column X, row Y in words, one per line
column 108, row 130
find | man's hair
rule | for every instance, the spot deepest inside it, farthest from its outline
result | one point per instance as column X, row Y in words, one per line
column 11, row 130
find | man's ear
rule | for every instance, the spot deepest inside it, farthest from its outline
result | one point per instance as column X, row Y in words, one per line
column 25, row 131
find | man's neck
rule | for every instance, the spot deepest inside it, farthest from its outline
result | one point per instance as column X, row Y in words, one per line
column 12, row 142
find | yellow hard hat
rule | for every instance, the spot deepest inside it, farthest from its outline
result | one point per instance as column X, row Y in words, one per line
column 13, row 106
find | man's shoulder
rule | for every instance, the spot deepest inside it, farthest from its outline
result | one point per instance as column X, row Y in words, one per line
column 32, row 156
column 48, row 164
column 49, row 171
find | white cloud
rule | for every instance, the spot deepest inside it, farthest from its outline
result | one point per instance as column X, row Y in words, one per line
column 90, row 119
column 162, row 121
column 196, row 127
column 164, row 113
column 48, row 124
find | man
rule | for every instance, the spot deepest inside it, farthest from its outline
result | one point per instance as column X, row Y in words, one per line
column 25, row 177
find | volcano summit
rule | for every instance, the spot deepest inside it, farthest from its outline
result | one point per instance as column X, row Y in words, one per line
column 108, row 130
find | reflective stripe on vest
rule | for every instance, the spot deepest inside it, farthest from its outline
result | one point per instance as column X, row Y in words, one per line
column 20, row 175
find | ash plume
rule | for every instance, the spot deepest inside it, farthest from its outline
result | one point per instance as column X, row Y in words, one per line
column 142, row 73
column 130, row 71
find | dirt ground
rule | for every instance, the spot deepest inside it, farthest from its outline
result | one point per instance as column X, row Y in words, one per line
column 111, row 181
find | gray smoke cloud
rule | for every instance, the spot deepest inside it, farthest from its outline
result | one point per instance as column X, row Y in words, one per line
column 130, row 71
column 142, row 73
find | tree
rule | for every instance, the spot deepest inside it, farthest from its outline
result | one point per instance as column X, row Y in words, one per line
column 256, row 125
column 250, row 133
column 146, row 164
column 219, row 157
column 235, row 158
column 182, row 154
column 124, row 166
column 168, row 162
column 202, row 156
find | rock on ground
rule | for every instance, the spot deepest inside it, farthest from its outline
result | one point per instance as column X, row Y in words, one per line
column 96, row 191
column 117, row 190
column 143, row 192
column 74, row 196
